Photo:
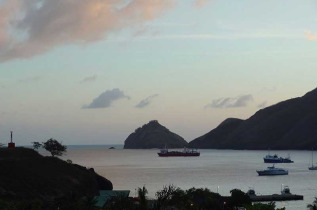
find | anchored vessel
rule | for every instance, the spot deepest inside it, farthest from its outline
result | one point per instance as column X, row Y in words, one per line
column 272, row 171
column 276, row 159
column 185, row 153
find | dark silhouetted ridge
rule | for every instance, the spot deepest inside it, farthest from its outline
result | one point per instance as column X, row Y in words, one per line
column 291, row 124
column 25, row 174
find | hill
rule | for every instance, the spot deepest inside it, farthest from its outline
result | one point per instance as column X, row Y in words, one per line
column 153, row 135
column 27, row 175
column 291, row 124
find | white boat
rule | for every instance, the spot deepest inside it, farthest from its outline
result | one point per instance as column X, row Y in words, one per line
column 312, row 162
column 272, row 171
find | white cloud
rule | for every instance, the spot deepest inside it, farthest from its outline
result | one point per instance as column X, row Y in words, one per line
column 106, row 99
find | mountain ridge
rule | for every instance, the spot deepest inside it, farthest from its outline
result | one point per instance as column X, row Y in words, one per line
column 290, row 124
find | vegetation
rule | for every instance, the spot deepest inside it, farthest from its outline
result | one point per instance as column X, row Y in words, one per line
column 36, row 145
column 261, row 206
column 313, row 206
column 142, row 192
column 54, row 147
column 170, row 197
column 238, row 198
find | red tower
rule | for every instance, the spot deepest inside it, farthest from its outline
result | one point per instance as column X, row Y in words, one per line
column 11, row 144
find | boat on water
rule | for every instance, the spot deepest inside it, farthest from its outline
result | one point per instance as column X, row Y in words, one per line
column 286, row 191
column 185, row 153
column 272, row 171
column 276, row 159
column 313, row 167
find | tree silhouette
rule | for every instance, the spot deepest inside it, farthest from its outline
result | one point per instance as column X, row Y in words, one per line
column 142, row 197
column 54, row 147
column 36, row 144
column 313, row 206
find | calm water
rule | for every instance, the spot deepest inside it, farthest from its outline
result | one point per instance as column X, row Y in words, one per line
column 228, row 169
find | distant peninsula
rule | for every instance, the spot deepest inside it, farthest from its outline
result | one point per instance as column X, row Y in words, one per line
column 288, row 125
column 153, row 135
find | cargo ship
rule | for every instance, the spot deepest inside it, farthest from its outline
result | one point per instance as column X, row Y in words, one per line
column 185, row 153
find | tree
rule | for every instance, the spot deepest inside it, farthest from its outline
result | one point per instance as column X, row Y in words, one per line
column 239, row 198
column 164, row 196
column 54, row 147
column 36, row 145
column 313, row 206
column 142, row 197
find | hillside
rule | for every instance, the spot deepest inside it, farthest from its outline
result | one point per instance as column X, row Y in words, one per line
column 291, row 124
column 25, row 174
column 153, row 135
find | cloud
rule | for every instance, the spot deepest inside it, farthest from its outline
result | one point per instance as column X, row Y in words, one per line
column 29, row 28
column 310, row 36
column 241, row 101
column 106, row 98
column 88, row 79
column 146, row 102
column 262, row 105
column 200, row 3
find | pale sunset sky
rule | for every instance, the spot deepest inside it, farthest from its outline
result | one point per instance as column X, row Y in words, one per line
column 92, row 71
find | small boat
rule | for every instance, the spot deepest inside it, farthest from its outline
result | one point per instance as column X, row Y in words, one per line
column 286, row 191
column 185, row 153
column 272, row 171
column 312, row 162
column 276, row 159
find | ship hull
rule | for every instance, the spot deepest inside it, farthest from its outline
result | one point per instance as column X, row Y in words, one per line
column 280, row 160
column 266, row 173
column 178, row 154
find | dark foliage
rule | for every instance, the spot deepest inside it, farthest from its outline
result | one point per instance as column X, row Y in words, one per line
column 54, row 147
column 36, row 145
column 238, row 199
column 313, row 206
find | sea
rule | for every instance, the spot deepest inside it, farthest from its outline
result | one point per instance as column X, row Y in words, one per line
column 218, row 170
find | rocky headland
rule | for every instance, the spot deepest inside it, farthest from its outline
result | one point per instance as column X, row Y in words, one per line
column 153, row 135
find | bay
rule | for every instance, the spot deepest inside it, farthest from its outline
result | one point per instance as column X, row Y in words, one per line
column 217, row 170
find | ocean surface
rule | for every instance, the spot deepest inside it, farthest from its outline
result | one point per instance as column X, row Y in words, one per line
column 218, row 170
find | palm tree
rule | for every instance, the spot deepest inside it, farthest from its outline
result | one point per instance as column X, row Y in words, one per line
column 313, row 206
column 142, row 197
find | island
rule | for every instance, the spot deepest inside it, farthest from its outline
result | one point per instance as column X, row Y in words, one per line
column 153, row 135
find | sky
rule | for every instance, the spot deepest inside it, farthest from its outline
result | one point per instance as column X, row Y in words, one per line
column 91, row 72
